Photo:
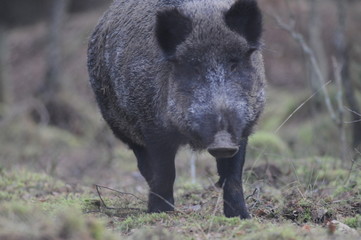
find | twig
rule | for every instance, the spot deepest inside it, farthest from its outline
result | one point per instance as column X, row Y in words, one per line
column 165, row 200
column 262, row 152
column 350, row 171
column 256, row 200
column 356, row 121
column 354, row 112
column 103, row 203
column 300, row 106
column 100, row 197
column 110, row 208
column 215, row 209
column 215, row 185
column 357, row 151
column 352, row 166
column 124, row 193
column 193, row 158
column 254, row 192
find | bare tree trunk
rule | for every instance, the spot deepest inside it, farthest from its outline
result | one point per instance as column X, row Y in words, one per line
column 192, row 163
column 343, row 47
column 5, row 84
column 52, row 79
column 2, row 66
column 340, row 110
column 316, row 44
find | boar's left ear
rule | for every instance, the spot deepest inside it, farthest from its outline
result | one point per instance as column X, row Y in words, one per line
column 245, row 18
column 172, row 28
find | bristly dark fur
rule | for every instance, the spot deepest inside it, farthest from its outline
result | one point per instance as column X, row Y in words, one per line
column 171, row 72
column 245, row 18
column 172, row 28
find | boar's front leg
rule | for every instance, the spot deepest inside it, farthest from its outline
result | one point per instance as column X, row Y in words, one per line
column 230, row 172
column 156, row 164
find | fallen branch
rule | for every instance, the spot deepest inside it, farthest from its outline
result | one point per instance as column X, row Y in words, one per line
column 119, row 192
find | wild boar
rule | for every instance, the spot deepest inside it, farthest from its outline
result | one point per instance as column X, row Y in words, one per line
column 172, row 72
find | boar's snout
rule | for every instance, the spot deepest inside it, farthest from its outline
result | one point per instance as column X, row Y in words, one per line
column 222, row 146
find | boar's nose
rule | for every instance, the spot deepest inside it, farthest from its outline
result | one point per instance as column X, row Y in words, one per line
column 222, row 146
column 223, row 152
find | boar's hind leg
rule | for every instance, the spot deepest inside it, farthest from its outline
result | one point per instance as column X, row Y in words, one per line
column 157, row 167
column 230, row 172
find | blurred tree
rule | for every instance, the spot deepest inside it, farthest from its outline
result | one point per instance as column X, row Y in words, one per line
column 317, row 44
column 6, row 91
column 22, row 12
column 61, row 111
column 2, row 65
column 25, row 12
column 343, row 47
column 318, row 59
column 52, row 85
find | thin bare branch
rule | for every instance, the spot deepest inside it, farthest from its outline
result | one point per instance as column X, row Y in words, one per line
column 357, row 151
column 356, row 121
column 215, row 210
column 165, row 200
column 300, row 106
column 354, row 112
column 314, row 63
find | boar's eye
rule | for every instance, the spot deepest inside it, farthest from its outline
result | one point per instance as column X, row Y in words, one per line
column 250, row 51
column 233, row 64
column 197, row 69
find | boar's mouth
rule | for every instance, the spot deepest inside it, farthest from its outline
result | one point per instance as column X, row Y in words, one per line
column 223, row 146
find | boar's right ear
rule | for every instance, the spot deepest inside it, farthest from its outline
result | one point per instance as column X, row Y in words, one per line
column 172, row 28
column 245, row 18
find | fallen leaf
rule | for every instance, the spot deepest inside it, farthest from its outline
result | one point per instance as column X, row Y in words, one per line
column 307, row 228
column 344, row 228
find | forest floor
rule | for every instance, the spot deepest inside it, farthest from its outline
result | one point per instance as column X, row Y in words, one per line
column 312, row 198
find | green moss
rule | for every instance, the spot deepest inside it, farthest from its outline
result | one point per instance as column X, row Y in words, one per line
column 39, row 189
column 20, row 221
column 142, row 220
column 268, row 144
column 96, row 229
column 305, row 216
column 62, row 201
column 315, row 170
column 280, row 104
column 70, row 223
column 154, row 233
column 221, row 223
column 306, row 203
column 57, row 137
column 354, row 222
column 25, row 142
column 275, row 233
column 309, row 136
column 22, row 184
column 183, row 186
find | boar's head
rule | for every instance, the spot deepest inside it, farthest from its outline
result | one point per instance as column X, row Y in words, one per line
column 216, row 74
